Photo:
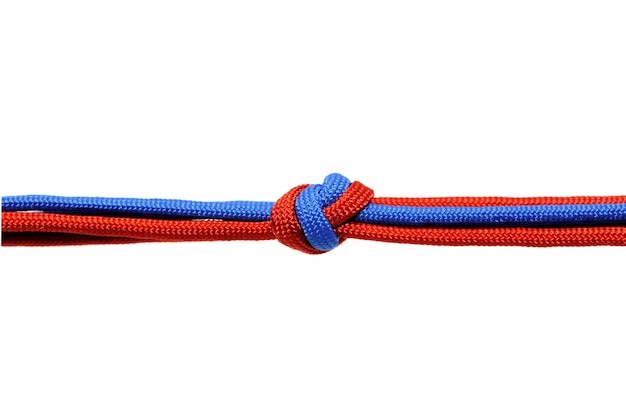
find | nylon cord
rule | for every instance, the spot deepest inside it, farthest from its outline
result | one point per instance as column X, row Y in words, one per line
column 317, row 218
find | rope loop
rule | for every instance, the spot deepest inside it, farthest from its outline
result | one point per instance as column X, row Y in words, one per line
column 306, row 217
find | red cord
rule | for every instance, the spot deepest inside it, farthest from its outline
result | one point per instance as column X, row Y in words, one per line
column 59, row 239
column 491, row 201
column 135, row 228
column 27, row 228
column 529, row 237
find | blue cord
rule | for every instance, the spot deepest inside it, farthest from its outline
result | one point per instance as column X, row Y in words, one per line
column 535, row 215
column 510, row 216
column 309, row 210
column 232, row 210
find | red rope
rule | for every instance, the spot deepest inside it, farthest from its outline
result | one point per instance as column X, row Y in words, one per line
column 529, row 237
column 136, row 228
column 27, row 228
column 59, row 239
column 492, row 201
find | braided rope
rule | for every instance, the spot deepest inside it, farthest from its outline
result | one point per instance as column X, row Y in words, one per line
column 317, row 218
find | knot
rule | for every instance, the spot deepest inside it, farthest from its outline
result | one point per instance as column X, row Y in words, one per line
column 305, row 218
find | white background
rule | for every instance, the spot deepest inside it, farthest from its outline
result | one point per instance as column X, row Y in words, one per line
column 244, row 100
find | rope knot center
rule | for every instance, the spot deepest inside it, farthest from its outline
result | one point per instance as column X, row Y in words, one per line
column 306, row 218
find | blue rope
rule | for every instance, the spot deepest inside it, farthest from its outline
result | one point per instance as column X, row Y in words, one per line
column 232, row 210
column 308, row 211
column 510, row 216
